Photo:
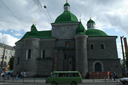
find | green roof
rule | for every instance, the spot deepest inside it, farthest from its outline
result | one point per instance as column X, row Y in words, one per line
column 80, row 29
column 66, row 17
column 90, row 21
column 66, row 4
column 37, row 34
column 95, row 32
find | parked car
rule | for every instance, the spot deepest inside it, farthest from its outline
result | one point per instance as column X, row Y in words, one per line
column 7, row 73
column 124, row 80
column 64, row 77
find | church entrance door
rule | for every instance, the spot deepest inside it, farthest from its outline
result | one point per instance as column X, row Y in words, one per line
column 98, row 67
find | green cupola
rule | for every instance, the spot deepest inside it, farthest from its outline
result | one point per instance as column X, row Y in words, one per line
column 66, row 16
column 90, row 24
column 80, row 29
column 33, row 30
column 66, row 6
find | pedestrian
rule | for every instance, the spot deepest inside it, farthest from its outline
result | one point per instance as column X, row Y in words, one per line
column 114, row 74
column 24, row 74
column 110, row 75
column 17, row 75
column 0, row 73
column 21, row 74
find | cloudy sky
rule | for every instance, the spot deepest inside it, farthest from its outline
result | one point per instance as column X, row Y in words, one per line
column 16, row 16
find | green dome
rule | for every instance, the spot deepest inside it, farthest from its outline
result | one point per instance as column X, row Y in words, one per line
column 95, row 32
column 66, row 4
column 66, row 17
column 90, row 21
column 80, row 29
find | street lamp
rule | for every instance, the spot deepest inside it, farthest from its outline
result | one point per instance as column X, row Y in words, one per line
column 125, row 67
column 3, row 57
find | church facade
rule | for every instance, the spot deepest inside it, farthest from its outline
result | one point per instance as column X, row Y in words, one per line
column 67, row 47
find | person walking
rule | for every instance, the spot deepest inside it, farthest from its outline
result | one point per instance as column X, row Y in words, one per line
column 24, row 74
column 17, row 76
column 114, row 74
column 110, row 75
column 21, row 74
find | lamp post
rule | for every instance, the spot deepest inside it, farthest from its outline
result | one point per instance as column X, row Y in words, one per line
column 3, row 57
column 125, row 67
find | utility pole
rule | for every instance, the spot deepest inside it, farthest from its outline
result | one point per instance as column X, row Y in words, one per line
column 3, row 57
column 125, row 67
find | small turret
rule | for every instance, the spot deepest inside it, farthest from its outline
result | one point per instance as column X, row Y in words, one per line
column 90, row 24
column 66, row 6
column 33, row 30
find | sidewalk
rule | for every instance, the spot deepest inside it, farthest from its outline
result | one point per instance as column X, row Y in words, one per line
column 42, row 80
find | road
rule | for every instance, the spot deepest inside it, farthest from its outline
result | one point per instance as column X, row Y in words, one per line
column 7, row 83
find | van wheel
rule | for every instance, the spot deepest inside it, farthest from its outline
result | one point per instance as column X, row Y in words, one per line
column 54, row 83
column 73, row 83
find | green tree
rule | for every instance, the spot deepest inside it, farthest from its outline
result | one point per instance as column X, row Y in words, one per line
column 11, row 62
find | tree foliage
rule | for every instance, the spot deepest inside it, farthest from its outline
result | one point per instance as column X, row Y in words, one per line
column 11, row 62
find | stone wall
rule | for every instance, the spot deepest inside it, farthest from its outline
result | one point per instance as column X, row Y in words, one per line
column 110, row 48
column 64, row 30
column 107, row 65
column 45, row 67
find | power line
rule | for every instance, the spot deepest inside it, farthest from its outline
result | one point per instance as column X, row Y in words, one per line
column 47, row 10
column 5, row 24
column 12, row 13
column 40, row 7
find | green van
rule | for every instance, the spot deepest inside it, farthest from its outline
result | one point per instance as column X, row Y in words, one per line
column 64, row 77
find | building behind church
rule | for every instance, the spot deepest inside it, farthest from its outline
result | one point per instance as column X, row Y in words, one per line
column 67, row 47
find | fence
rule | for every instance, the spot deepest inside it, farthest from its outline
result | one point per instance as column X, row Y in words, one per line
column 42, row 80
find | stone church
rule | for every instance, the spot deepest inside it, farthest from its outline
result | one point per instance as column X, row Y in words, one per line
column 67, row 47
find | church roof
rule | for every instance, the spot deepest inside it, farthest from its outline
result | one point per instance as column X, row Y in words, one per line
column 66, row 4
column 66, row 17
column 90, row 21
column 95, row 32
column 39, row 34
column 80, row 29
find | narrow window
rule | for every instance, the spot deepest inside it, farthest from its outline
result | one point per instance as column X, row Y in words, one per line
column 43, row 53
column 102, row 46
column 91, row 46
column 65, row 56
column 6, row 52
column 5, row 57
column 5, row 63
column 29, row 53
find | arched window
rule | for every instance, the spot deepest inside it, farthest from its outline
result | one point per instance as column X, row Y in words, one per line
column 67, row 44
column 42, row 54
column 92, row 46
column 28, row 54
column 102, row 46
column 98, row 67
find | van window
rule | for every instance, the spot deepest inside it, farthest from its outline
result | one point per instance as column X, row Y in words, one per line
column 54, row 75
column 61, row 74
column 72, row 75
